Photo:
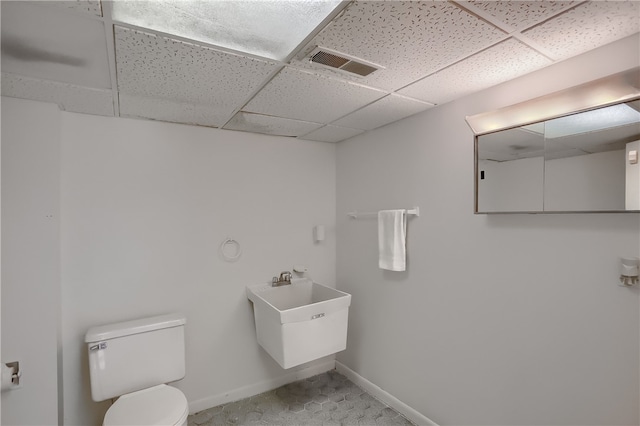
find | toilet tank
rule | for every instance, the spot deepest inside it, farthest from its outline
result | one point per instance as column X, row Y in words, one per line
column 134, row 355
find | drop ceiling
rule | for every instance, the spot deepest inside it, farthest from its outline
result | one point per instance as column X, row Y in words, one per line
column 81, row 56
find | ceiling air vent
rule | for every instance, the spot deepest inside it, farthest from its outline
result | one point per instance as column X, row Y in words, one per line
column 341, row 62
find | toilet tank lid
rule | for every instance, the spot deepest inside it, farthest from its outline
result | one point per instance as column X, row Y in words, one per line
column 126, row 328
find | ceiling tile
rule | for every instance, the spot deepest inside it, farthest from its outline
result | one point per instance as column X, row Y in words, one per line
column 586, row 27
column 331, row 133
column 307, row 96
column 504, row 61
column 47, row 43
column 519, row 15
column 160, row 67
column 68, row 96
column 410, row 39
column 169, row 110
column 269, row 125
column 384, row 111
column 270, row 29
column 89, row 7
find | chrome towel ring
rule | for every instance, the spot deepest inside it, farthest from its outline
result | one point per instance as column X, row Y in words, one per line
column 230, row 250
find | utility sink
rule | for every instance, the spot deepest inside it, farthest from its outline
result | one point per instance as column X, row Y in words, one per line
column 300, row 322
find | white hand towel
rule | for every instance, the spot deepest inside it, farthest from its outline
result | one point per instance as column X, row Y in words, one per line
column 392, row 232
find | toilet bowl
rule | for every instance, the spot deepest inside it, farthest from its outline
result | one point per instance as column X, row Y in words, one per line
column 133, row 361
column 159, row 405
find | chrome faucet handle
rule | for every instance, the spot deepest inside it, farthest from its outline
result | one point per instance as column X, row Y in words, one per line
column 285, row 276
column 285, row 279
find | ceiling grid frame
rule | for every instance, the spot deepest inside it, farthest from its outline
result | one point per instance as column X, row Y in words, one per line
column 111, row 53
column 512, row 31
column 505, row 19
column 331, row 133
column 266, row 81
column 472, row 6
column 150, row 65
column 410, row 90
column 275, row 97
column 338, row 11
column 409, row 39
column 579, row 25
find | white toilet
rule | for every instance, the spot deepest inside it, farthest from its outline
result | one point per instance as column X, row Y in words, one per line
column 132, row 361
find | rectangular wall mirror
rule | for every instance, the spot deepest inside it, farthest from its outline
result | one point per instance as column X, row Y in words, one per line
column 585, row 161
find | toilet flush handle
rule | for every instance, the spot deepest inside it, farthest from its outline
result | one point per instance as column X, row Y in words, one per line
column 101, row 345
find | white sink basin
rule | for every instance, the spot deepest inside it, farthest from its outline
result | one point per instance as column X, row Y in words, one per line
column 300, row 322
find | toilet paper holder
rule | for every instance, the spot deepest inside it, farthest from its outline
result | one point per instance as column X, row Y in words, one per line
column 11, row 375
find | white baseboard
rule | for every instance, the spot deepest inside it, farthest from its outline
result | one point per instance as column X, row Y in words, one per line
column 257, row 388
column 384, row 396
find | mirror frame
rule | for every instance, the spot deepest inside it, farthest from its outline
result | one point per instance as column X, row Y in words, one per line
column 614, row 89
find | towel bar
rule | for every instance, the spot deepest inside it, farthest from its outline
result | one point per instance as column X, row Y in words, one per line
column 354, row 215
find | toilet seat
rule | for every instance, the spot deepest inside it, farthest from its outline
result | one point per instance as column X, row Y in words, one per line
column 158, row 405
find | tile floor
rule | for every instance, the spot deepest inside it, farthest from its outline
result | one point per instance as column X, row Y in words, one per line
column 326, row 399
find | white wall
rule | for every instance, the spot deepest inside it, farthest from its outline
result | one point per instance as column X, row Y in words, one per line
column 145, row 206
column 500, row 319
column 30, row 258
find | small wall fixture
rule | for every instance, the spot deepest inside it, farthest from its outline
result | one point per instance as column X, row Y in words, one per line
column 230, row 250
column 11, row 374
column 318, row 233
column 628, row 271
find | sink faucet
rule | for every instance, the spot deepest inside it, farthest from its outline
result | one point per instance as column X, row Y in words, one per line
column 285, row 279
